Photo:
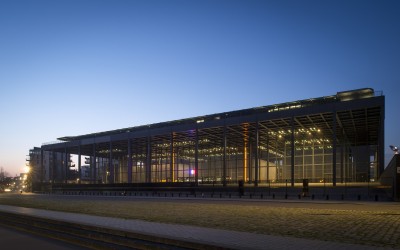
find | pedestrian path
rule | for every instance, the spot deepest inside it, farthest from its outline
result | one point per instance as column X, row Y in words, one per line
column 216, row 237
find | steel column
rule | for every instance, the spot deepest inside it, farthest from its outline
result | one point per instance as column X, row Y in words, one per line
column 93, row 170
column 292, row 153
column 110, row 178
column 65, row 164
column 53, row 173
column 245, row 160
column 381, row 143
column 41, row 166
column 341, row 162
column 250, row 160
column 129, row 161
column 257, row 162
column 148, row 160
column 224, row 159
column 79, row 164
column 172, row 160
column 334, row 150
column 268, row 158
column 196, row 158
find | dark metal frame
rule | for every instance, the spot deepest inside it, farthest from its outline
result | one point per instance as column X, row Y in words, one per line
column 351, row 118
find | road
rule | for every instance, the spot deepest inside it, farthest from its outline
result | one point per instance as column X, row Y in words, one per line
column 12, row 239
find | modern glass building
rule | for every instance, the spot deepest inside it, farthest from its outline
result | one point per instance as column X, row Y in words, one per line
column 332, row 139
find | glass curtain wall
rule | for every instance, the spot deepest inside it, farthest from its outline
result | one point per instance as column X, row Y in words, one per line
column 272, row 151
column 139, row 156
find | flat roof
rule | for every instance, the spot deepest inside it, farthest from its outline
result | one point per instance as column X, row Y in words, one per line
column 359, row 117
column 342, row 96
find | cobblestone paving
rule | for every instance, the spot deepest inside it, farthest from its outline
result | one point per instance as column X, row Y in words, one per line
column 373, row 224
column 352, row 226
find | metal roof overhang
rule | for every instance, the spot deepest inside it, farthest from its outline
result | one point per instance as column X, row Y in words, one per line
column 358, row 122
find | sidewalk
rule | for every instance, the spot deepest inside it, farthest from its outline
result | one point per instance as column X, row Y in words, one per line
column 216, row 237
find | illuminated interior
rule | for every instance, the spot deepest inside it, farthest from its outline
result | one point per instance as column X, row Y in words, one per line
column 333, row 139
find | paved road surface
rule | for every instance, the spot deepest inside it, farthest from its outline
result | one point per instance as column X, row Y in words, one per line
column 12, row 239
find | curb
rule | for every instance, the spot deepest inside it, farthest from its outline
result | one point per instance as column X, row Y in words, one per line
column 95, row 237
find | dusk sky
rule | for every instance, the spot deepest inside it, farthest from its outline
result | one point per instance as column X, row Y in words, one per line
column 75, row 67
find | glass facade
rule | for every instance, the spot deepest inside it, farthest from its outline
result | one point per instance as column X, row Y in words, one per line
column 335, row 139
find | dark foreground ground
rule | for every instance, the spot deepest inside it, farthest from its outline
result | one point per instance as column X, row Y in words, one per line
column 12, row 239
column 375, row 224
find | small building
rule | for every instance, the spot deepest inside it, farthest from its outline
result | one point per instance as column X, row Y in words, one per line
column 48, row 166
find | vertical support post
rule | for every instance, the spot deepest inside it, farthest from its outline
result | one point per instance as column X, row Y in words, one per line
column 381, row 143
column 341, row 162
column 148, row 160
column 257, row 162
column 268, row 158
column 245, row 158
column 172, row 160
column 110, row 177
column 292, row 152
column 196, row 158
column 278, row 167
column 93, row 172
column 129, row 161
column 65, row 164
column 79, row 164
column 53, row 172
column 250, row 160
column 224, row 158
column 41, row 166
column 313, row 161
column 334, row 149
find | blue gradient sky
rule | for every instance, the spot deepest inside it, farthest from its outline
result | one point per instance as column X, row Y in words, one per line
column 76, row 67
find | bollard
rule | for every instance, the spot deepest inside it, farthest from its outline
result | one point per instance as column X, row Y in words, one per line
column 261, row 196
column 327, row 197
column 312, row 197
column 376, row 197
column 273, row 196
